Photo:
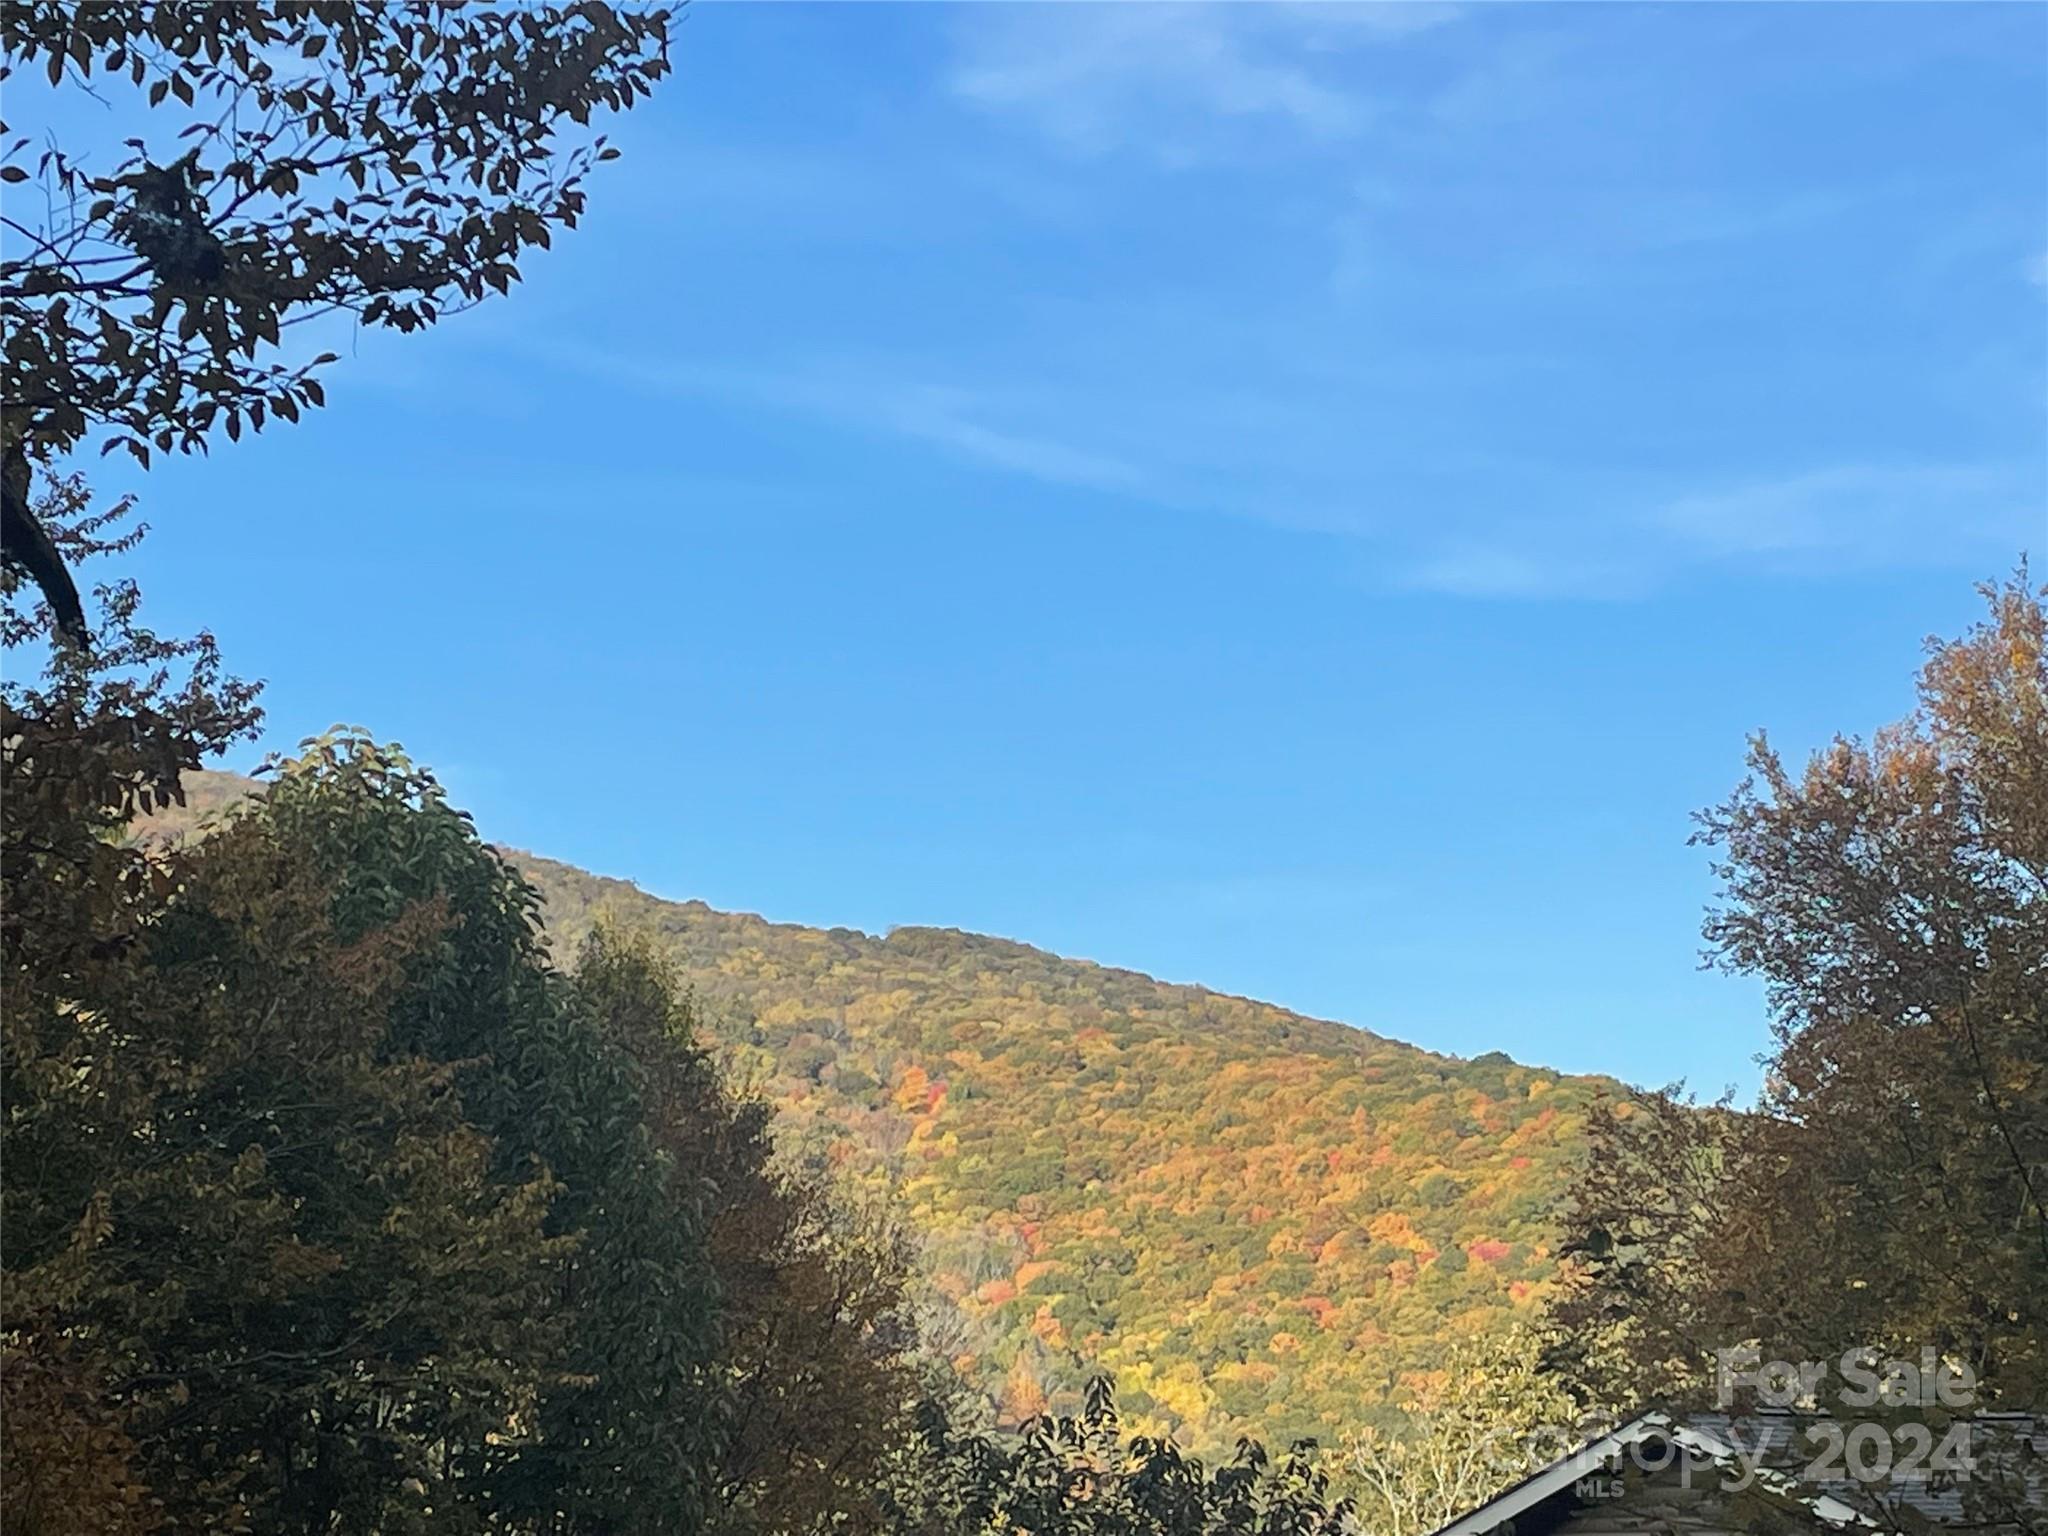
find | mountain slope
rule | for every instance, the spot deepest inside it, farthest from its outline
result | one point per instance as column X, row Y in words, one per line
column 1259, row 1221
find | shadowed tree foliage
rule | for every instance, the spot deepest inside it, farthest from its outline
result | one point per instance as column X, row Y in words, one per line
column 626, row 1433
column 321, row 1208
column 817, row 1345
column 85, row 748
column 303, row 1283
column 1888, row 1189
column 389, row 162
column 1637, row 1314
column 1082, row 1475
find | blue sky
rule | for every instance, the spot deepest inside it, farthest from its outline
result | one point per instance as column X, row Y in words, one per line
column 1301, row 499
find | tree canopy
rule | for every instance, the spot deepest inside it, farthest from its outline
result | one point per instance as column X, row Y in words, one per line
column 1887, row 1192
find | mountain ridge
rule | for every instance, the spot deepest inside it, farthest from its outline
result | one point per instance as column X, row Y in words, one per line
column 906, row 938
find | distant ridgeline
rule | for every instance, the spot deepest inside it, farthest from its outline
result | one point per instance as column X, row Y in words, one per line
column 1260, row 1222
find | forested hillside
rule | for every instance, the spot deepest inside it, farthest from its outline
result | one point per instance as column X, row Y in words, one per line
column 1261, row 1223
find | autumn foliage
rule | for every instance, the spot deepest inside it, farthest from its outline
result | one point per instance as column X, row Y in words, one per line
column 1261, row 1224
column 1888, row 1190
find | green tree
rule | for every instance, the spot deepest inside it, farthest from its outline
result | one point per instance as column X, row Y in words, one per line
column 351, row 1223
column 628, row 1435
column 817, row 1345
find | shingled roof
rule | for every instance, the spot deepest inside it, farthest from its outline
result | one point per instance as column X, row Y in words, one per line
column 2004, row 1492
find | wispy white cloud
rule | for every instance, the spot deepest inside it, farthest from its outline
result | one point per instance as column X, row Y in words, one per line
column 1545, row 569
column 1567, row 539
column 2037, row 270
column 947, row 417
column 1852, row 517
column 874, row 397
column 1161, row 77
column 1864, row 514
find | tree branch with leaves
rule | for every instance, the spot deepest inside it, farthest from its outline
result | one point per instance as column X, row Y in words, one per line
column 388, row 162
